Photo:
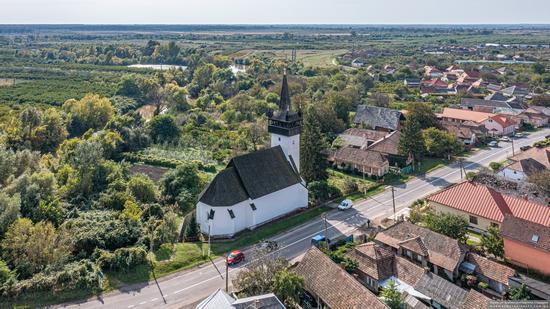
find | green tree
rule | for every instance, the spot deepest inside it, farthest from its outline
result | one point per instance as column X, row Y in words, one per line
column 31, row 248
column 129, row 86
column 142, row 188
column 163, row 129
column 440, row 143
column 454, row 226
column 539, row 68
column 131, row 211
column 492, row 242
column 259, row 275
column 412, row 141
column 495, row 166
column 313, row 163
column 6, row 273
column 520, row 293
column 184, row 179
column 91, row 112
column 392, row 297
column 288, row 287
column 350, row 265
column 9, row 211
column 191, row 232
column 423, row 114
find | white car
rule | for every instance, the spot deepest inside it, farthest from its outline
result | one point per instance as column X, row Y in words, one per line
column 493, row 144
column 505, row 139
column 345, row 204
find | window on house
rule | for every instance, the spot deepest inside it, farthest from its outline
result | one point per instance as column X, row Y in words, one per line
column 409, row 254
column 231, row 213
column 253, row 206
column 211, row 214
column 473, row 219
column 535, row 238
column 419, row 258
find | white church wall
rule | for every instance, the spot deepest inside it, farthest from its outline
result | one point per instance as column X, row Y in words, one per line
column 223, row 224
column 281, row 202
column 290, row 146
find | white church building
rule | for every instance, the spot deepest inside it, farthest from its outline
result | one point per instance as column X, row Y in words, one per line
column 261, row 186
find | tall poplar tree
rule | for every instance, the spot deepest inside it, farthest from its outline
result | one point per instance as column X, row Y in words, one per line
column 313, row 163
column 412, row 141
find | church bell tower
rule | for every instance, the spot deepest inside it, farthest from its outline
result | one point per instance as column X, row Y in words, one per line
column 285, row 127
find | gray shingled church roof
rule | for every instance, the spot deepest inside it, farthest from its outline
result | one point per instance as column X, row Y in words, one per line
column 252, row 176
column 374, row 116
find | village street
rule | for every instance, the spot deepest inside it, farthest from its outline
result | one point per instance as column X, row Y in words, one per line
column 190, row 286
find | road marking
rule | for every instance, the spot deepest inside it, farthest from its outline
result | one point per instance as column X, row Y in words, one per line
column 154, row 299
column 143, row 303
column 131, row 306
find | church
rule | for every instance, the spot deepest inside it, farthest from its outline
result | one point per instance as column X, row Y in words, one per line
column 261, row 186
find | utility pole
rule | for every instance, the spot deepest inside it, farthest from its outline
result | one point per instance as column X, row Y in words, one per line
column 209, row 227
column 326, row 228
column 393, row 200
column 226, row 273
column 460, row 163
column 513, row 151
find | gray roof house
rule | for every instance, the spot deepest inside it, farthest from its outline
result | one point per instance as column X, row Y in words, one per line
column 221, row 300
column 378, row 118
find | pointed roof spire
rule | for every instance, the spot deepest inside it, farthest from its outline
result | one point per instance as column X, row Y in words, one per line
column 284, row 103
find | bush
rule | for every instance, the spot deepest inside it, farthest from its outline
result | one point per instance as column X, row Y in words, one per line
column 82, row 275
column 122, row 259
column 350, row 186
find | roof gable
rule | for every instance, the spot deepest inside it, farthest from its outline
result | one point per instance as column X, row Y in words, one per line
column 378, row 117
column 252, row 176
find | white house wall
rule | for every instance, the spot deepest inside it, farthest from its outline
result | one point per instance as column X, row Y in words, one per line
column 512, row 174
column 268, row 208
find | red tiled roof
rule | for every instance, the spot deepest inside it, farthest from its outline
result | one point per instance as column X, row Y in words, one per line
column 523, row 231
column 465, row 115
column 485, row 202
column 491, row 269
column 503, row 121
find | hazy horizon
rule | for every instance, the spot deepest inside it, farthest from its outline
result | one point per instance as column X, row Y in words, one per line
column 281, row 12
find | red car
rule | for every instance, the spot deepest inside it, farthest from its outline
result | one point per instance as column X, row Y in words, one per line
column 235, row 257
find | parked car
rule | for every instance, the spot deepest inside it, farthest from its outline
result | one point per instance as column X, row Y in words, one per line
column 519, row 135
column 505, row 139
column 493, row 144
column 345, row 204
column 268, row 245
column 523, row 148
column 235, row 257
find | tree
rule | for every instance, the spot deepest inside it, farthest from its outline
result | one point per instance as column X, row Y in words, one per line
column 423, row 114
column 495, row 166
column 541, row 179
column 6, row 273
column 380, row 99
column 154, row 92
column 9, row 211
column 313, row 162
column 129, row 86
column 185, row 178
column 192, row 229
column 520, row 293
column 454, row 226
column 166, row 231
column 163, row 129
column 51, row 132
column 131, row 211
column 440, row 143
column 392, row 297
column 288, row 287
column 259, row 275
column 539, row 68
column 142, row 188
column 412, row 141
column 31, row 248
column 350, row 265
column 91, row 112
column 492, row 242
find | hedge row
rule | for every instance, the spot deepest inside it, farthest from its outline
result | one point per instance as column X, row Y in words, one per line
column 169, row 163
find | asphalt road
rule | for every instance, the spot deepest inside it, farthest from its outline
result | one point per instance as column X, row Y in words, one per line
column 189, row 287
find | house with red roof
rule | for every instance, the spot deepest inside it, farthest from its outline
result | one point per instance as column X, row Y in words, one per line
column 496, row 125
column 483, row 206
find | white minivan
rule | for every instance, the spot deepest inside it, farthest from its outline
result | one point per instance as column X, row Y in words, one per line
column 345, row 204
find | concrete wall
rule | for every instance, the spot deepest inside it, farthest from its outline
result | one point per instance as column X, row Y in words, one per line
column 290, row 145
column 268, row 207
column 527, row 256
column 512, row 174
column 482, row 223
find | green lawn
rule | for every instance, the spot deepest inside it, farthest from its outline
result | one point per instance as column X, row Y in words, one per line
column 337, row 178
column 427, row 165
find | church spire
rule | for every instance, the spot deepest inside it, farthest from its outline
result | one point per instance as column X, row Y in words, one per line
column 284, row 102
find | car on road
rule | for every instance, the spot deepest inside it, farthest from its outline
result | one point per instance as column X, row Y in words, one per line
column 268, row 245
column 345, row 204
column 519, row 135
column 235, row 257
column 523, row 148
column 505, row 139
column 493, row 144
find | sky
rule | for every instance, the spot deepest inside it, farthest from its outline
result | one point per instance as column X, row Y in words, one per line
column 274, row 11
